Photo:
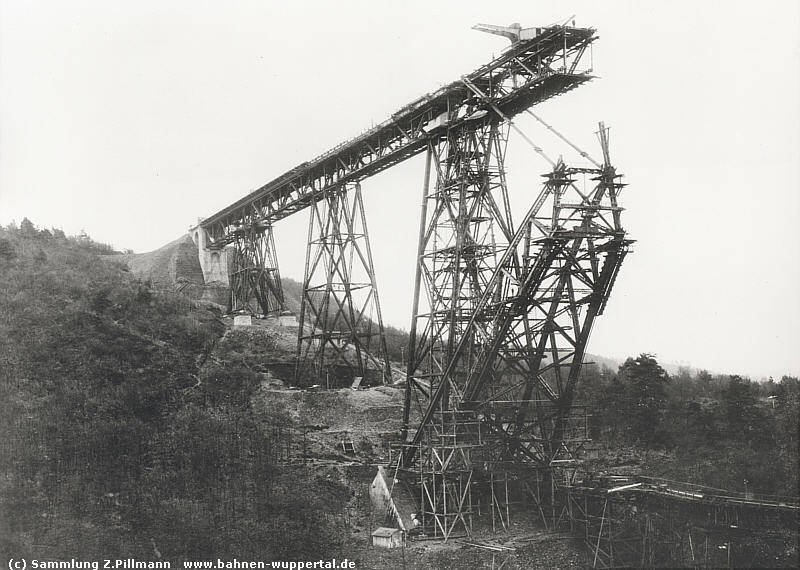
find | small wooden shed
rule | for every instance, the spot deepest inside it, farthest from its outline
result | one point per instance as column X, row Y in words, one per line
column 387, row 537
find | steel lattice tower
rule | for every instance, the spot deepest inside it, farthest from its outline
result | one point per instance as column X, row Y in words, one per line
column 466, row 221
column 255, row 274
column 341, row 327
column 504, row 395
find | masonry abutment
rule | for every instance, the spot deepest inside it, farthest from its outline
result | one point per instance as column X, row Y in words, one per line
column 213, row 262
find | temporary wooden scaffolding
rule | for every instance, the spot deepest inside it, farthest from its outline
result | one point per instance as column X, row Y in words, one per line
column 645, row 522
column 462, row 478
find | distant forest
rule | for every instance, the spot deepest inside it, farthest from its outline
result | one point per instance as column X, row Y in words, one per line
column 126, row 429
column 719, row 430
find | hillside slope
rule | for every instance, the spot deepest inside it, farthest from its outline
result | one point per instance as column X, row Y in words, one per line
column 124, row 436
column 176, row 267
column 174, row 262
column 136, row 425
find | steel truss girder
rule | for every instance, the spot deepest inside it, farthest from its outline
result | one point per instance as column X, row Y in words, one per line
column 540, row 303
column 340, row 317
column 255, row 275
column 527, row 73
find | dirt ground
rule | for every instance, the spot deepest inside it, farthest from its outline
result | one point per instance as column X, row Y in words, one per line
column 320, row 420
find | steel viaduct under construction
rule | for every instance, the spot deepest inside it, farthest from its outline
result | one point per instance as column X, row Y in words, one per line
column 502, row 312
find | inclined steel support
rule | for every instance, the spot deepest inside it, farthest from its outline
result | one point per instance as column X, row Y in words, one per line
column 418, row 270
column 341, row 326
column 501, row 314
column 454, row 124
column 539, row 304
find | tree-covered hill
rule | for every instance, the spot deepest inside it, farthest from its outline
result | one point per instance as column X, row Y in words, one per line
column 127, row 426
column 122, row 434
column 719, row 430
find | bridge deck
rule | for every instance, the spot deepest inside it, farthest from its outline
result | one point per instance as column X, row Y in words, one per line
column 525, row 74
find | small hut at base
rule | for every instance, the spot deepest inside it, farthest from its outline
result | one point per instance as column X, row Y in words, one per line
column 387, row 537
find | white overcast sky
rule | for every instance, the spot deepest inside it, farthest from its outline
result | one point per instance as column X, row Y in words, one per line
column 132, row 119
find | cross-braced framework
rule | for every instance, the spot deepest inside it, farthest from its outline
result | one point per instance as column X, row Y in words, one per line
column 643, row 522
column 446, row 469
column 468, row 221
column 511, row 342
column 454, row 479
column 255, row 275
column 459, row 122
column 460, row 480
column 522, row 341
column 341, row 329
